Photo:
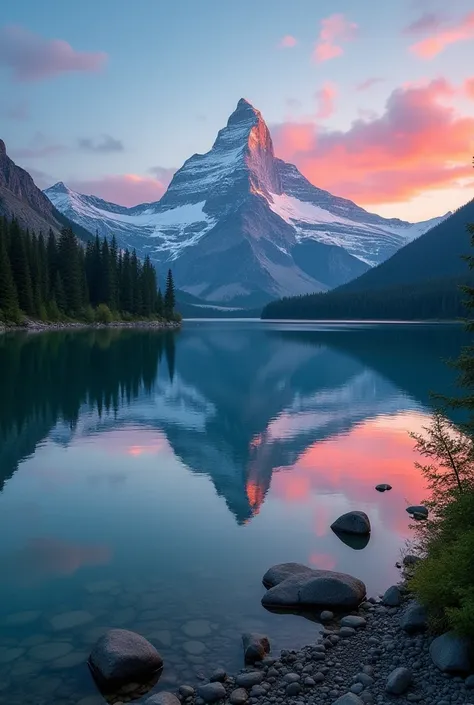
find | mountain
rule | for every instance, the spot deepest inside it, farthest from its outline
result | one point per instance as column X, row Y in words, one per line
column 421, row 280
column 240, row 227
column 22, row 199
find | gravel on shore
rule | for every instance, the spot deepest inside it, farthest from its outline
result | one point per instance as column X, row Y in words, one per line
column 40, row 327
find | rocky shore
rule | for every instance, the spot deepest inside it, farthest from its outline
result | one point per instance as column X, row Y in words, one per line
column 379, row 653
column 31, row 326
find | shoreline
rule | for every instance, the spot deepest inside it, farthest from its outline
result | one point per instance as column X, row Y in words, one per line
column 41, row 327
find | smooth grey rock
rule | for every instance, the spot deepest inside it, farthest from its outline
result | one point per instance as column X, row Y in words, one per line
column 313, row 588
column 292, row 678
column 357, row 688
column 256, row 647
column 257, row 691
column 414, row 618
column 365, row 679
column 309, row 682
column 392, row 596
column 186, row 691
column 163, row 698
column 348, row 699
column 417, row 510
column 211, row 692
column 293, row 689
column 383, row 487
column 247, row 680
column 280, row 572
column 352, row 523
column 346, row 632
column 238, row 696
column 450, row 653
column 469, row 682
column 326, row 616
column 399, row 681
column 354, row 621
column 218, row 676
column 123, row 655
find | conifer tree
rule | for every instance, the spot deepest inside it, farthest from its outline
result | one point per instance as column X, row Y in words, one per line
column 8, row 297
column 159, row 304
column 20, row 269
column 69, row 270
column 169, row 300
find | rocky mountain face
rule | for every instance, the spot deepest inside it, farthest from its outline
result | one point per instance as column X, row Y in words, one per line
column 22, row 199
column 241, row 227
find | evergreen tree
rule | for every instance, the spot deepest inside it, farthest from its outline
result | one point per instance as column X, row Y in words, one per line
column 135, row 269
column 52, row 257
column 20, row 269
column 126, row 284
column 159, row 304
column 43, row 269
column 8, row 296
column 69, row 270
column 59, row 297
column 169, row 300
column 113, row 274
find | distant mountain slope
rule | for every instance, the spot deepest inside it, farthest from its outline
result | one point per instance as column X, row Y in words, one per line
column 20, row 198
column 421, row 280
column 241, row 227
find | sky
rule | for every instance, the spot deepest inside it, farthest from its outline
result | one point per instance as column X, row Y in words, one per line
column 372, row 101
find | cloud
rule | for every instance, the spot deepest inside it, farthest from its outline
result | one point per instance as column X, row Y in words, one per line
column 39, row 147
column 41, row 178
column 419, row 143
column 18, row 110
column 103, row 146
column 124, row 189
column 335, row 29
column 368, row 83
column 293, row 103
column 287, row 42
column 443, row 37
column 33, row 58
column 326, row 97
column 427, row 22
column 469, row 87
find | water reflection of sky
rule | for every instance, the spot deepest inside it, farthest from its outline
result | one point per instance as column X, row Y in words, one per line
column 237, row 454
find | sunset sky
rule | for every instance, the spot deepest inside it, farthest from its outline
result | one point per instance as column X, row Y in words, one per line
column 372, row 101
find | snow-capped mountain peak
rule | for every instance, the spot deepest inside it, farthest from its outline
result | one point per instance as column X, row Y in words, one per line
column 241, row 226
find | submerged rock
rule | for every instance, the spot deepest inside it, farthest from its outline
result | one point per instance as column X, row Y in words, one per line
column 121, row 655
column 352, row 523
column 418, row 511
column 162, row 698
column 297, row 586
column 256, row 647
column 383, row 487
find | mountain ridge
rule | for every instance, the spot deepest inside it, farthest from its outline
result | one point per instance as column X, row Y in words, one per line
column 241, row 227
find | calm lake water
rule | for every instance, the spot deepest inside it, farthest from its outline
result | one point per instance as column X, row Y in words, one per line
column 148, row 481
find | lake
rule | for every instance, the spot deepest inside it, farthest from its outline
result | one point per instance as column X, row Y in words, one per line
column 148, row 480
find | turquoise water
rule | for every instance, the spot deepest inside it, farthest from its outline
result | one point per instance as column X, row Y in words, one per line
column 148, row 481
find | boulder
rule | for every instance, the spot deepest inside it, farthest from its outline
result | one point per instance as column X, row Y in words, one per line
column 309, row 588
column 383, row 487
column 211, row 692
column 326, row 616
column 163, row 698
column 418, row 511
column 399, row 681
column 218, row 676
column 349, row 699
column 354, row 621
column 256, row 647
column 451, row 653
column 414, row 619
column 248, row 680
column 352, row 523
column 123, row 656
column 280, row 572
column 392, row 597
column 238, row 696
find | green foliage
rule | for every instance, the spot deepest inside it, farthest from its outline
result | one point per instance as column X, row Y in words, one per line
column 55, row 280
column 169, row 300
column 444, row 580
column 103, row 314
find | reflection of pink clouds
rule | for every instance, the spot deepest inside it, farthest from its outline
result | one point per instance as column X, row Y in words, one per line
column 353, row 464
column 323, row 561
column 133, row 442
column 49, row 557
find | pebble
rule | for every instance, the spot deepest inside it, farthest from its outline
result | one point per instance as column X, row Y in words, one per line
column 238, row 696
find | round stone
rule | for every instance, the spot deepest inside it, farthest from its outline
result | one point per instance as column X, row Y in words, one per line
column 194, row 647
column 50, row 651
column 197, row 628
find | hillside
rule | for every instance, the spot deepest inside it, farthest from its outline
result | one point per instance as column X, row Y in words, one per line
column 420, row 281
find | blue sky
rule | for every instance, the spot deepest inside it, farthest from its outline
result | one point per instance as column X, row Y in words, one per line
column 174, row 71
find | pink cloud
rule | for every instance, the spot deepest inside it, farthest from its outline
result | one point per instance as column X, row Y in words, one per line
column 442, row 38
column 287, row 42
column 469, row 87
column 389, row 158
column 368, row 83
column 18, row 110
column 125, row 189
column 33, row 58
column 326, row 97
column 334, row 30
